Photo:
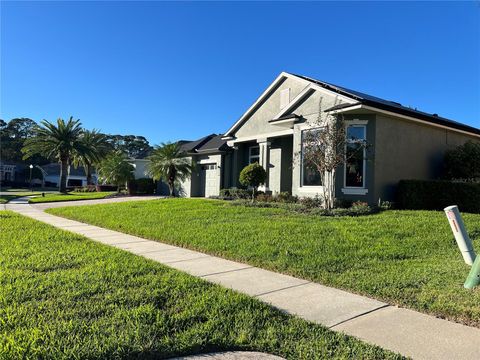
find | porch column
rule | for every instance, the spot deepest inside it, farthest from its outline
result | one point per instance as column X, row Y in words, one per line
column 264, row 145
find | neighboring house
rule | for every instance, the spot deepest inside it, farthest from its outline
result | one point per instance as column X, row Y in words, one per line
column 405, row 143
column 75, row 176
column 7, row 172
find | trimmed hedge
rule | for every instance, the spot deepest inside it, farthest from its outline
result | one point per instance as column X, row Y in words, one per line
column 438, row 194
column 143, row 186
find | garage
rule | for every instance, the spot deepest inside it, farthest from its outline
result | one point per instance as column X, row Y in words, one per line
column 209, row 180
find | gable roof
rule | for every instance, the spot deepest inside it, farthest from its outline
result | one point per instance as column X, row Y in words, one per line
column 351, row 98
column 388, row 105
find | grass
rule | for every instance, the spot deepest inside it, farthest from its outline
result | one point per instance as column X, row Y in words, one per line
column 408, row 258
column 71, row 196
column 65, row 297
column 4, row 198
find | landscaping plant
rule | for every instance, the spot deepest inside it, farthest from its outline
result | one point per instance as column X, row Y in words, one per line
column 57, row 142
column 253, row 175
column 170, row 163
column 116, row 169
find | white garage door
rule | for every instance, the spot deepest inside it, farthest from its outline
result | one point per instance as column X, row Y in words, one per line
column 209, row 180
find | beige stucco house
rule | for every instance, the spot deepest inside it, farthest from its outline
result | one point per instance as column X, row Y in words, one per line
column 404, row 143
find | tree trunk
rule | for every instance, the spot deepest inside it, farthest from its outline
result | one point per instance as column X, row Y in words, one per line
column 253, row 195
column 88, row 171
column 172, row 174
column 63, row 175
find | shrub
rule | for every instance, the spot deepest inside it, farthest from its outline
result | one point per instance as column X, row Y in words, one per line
column 143, row 186
column 85, row 189
column 253, row 175
column 438, row 194
column 310, row 203
column 235, row 193
column 106, row 188
column 286, row 197
column 463, row 162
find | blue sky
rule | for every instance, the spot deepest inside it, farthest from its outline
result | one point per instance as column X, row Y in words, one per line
column 169, row 71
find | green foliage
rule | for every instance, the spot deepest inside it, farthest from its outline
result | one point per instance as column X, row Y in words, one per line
column 99, row 149
column 168, row 162
column 463, row 162
column 65, row 297
column 12, row 137
column 115, row 169
column 235, row 193
column 408, row 258
column 253, row 175
column 438, row 194
column 59, row 142
column 135, row 147
column 143, row 186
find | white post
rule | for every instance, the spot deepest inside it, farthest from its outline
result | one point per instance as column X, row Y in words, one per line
column 461, row 236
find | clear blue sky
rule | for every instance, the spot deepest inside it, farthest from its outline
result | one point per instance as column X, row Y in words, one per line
column 182, row 70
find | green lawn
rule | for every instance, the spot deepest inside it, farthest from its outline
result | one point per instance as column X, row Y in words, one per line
column 407, row 258
column 16, row 194
column 65, row 297
column 71, row 196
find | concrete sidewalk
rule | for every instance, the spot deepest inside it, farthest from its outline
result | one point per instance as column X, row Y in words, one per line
column 404, row 331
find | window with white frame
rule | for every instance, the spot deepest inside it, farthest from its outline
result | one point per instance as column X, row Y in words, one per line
column 310, row 175
column 254, row 154
column 355, row 155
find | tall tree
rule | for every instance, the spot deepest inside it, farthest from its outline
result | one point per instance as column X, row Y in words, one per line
column 136, row 147
column 57, row 142
column 116, row 169
column 13, row 135
column 99, row 149
column 168, row 162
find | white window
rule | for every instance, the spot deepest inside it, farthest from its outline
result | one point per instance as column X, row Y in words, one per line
column 254, row 154
column 355, row 166
column 310, row 175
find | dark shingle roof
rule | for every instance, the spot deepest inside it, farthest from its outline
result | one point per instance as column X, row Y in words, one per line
column 389, row 106
column 209, row 143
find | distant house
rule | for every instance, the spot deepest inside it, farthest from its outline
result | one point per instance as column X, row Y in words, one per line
column 7, row 172
column 75, row 176
column 406, row 143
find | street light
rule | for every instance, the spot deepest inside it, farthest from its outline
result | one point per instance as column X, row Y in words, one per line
column 31, row 168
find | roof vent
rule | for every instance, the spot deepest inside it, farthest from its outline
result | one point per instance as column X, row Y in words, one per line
column 436, row 115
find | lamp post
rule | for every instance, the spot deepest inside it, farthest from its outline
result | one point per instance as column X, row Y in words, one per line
column 31, row 168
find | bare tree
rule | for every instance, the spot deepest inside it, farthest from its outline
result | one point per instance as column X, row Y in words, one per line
column 324, row 149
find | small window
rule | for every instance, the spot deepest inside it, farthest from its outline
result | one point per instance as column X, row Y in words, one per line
column 355, row 154
column 254, row 155
column 310, row 175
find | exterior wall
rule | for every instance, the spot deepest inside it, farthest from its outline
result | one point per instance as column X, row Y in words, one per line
column 409, row 150
column 140, row 168
column 195, row 182
column 257, row 124
column 309, row 110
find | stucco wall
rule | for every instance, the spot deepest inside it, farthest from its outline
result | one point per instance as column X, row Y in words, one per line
column 409, row 150
column 257, row 123
column 195, row 183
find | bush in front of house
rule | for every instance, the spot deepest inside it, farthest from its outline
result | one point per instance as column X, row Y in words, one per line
column 142, row 186
column 101, row 188
column 463, row 162
column 235, row 194
column 253, row 176
column 438, row 194
column 86, row 189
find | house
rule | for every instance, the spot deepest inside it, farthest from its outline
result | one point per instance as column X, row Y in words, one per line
column 405, row 143
column 75, row 176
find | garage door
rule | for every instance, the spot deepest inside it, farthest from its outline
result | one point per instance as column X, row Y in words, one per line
column 209, row 180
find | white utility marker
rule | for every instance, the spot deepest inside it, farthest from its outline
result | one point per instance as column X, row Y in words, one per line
column 460, row 232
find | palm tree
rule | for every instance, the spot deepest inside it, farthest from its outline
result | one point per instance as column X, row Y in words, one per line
column 57, row 142
column 116, row 169
column 169, row 162
column 99, row 146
